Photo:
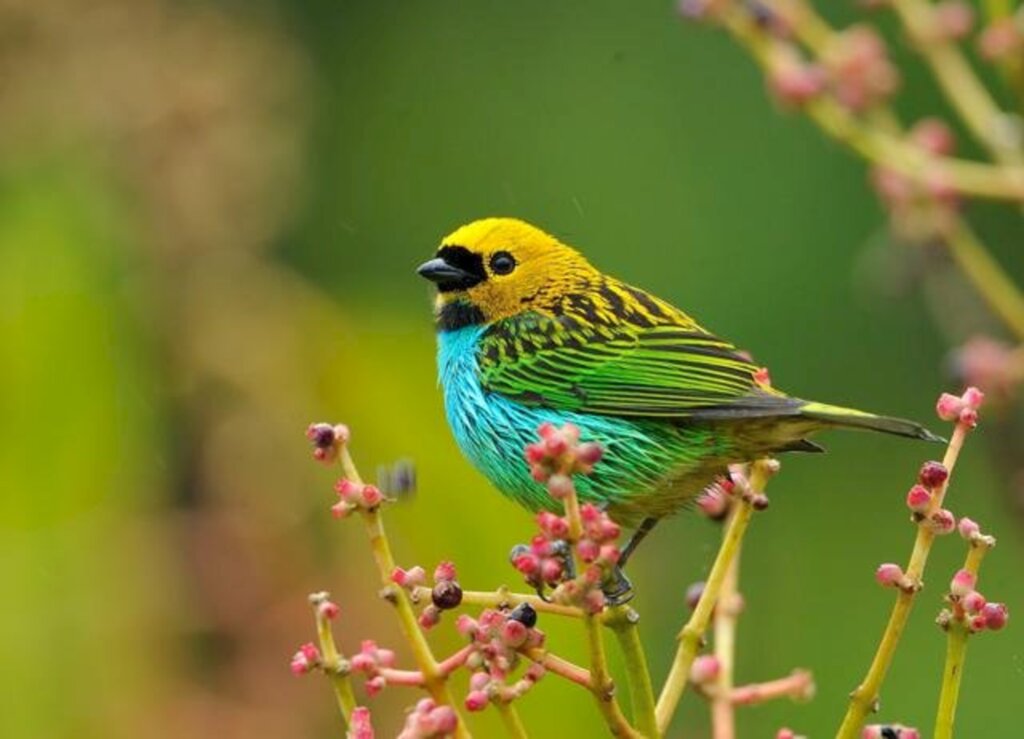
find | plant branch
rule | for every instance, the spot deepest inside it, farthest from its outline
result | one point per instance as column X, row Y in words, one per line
column 797, row 686
column 334, row 666
column 510, row 718
column 956, row 651
column 623, row 621
column 959, row 83
column 433, row 679
column 723, row 720
column 864, row 699
column 561, row 667
column 503, row 598
column 970, row 178
column 691, row 636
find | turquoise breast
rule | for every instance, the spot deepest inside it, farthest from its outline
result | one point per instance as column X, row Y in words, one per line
column 648, row 466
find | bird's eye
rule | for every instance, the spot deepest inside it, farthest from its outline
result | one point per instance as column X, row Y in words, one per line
column 502, row 263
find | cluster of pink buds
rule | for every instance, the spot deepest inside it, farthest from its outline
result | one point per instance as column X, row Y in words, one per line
column 969, row 606
column 328, row 439
column 560, row 454
column 359, row 726
column 962, row 409
column 889, row 731
column 922, row 496
column 791, row 79
column 919, row 209
column 306, row 659
column 598, row 552
column 497, row 637
column 445, row 595
column 355, row 496
column 950, row 20
column 859, row 71
column 369, row 661
column 429, row 721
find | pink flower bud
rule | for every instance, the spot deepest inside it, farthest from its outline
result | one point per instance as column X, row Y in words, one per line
column 968, row 528
column 918, row 499
column 341, row 509
column 588, row 550
column 933, row 475
column 408, row 579
column 942, row 522
column 429, row 617
column 553, row 525
column 371, row 497
column 589, row 453
column 973, row 398
column 360, row 726
column 889, row 574
column 713, row 502
column 1000, row 39
column 953, row 20
column 560, row 486
column 551, row 570
column 476, row 700
column 374, row 685
column 969, row 418
column 973, row 602
column 556, row 446
column 995, row 615
column 514, row 633
column 329, row 610
column 909, row 732
column 962, row 583
column 704, row 669
column 466, row 625
column 444, row 571
column 948, row 407
column 609, row 554
column 443, row 720
column 527, row 563
column 785, row 733
column 933, row 135
column 535, row 453
column 593, row 601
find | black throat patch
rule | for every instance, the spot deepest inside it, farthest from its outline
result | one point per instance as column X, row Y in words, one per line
column 459, row 314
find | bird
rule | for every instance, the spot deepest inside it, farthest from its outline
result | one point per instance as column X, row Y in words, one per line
column 529, row 332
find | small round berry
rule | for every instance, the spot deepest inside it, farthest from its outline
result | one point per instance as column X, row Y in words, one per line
column 446, row 594
column 973, row 602
column 968, row 528
column 962, row 583
column 996, row 615
column 525, row 614
column 889, row 574
column 694, row 593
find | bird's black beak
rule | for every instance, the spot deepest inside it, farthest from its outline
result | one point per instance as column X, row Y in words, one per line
column 440, row 272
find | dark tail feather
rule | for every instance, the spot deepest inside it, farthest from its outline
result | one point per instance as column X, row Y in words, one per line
column 838, row 416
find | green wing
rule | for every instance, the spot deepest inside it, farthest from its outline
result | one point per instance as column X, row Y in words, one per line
column 653, row 371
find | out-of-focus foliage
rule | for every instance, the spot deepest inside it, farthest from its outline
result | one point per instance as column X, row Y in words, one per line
column 209, row 218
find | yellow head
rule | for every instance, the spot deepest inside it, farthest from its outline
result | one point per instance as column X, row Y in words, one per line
column 499, row 267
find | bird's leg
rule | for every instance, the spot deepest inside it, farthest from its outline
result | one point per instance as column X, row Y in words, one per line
column 638, row 536
column 619, row 589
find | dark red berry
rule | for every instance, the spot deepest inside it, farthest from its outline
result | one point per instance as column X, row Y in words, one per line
column 933, row 474
column 446, row 594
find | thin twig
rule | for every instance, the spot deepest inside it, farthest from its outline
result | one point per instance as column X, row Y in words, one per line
column 723, row 719
column 956, row 651
column 692, row 634
column 623, row 621
column 864, row 699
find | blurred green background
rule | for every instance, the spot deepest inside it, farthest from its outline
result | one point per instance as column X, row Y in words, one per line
column 210, row 216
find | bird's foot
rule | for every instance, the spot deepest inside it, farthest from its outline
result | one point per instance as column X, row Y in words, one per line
column 618, row 590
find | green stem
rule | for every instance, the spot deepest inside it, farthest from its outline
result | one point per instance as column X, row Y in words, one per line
column 433, row 679
column 956, row 651
column 333, row 663
column 993, row 285
column 956, row 647
column 510, row 718
column 638, row 677
column 692, row 634
column 864, row 699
